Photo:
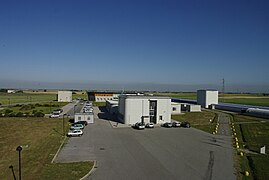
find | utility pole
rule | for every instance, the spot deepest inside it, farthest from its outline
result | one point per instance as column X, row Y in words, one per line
column 223, row 86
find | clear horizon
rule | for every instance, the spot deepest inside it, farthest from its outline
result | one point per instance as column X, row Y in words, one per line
column 158, row 45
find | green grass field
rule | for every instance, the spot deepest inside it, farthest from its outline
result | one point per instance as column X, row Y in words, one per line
column 199, row 120
column 249, row 99
column 40, row 138
column 35, row 97
column 252, row 132
column 7, row 99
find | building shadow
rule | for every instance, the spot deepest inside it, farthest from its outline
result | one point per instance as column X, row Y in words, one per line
column 105, row 115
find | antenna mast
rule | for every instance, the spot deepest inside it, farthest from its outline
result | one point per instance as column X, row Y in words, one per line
column 223, row 86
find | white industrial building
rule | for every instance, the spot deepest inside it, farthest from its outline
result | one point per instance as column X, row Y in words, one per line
column 11, row 91
column 84, row 117
column 175, row 108
column 144, row 108
column 206, row 98
column 64, row 96
column 193, row 108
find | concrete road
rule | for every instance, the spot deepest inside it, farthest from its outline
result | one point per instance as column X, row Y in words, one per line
column 159, row 153
column 224, row 125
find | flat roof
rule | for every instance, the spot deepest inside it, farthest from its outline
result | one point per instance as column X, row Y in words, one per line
column 113, row 101
column 89, row 113
column 144, row 97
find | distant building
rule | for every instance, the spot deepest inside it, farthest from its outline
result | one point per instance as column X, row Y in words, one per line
column 206, row 98
column 84, row 117
column 144, row 108
column 11, row 91
column 103, row 96
column 64, row 96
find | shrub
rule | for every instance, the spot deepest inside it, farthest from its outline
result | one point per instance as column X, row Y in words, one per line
column 27, row 107
column 12, row 114
column 19, row 114
column 39, row 114
column 7, row 111
column 38, row 105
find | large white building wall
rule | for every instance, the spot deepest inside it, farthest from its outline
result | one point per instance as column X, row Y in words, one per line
column 163, row 111
column 64, row 96
column 135, row 109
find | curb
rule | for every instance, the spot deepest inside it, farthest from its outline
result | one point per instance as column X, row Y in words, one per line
column 91, row 171
column 52, row 161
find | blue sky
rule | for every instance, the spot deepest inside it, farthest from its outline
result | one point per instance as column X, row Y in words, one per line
column 124, row 42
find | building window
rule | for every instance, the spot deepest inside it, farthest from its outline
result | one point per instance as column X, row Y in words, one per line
column 79, row 118
column 161, row 118
column 174, row 108
column 89, row 118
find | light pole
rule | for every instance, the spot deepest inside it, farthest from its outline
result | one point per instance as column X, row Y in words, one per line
column 14, row 176
column 63, row 124
column 19, row 148
column 74, row 110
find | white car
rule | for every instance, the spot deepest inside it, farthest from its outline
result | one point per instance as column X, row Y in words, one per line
column 75, row 133
column 54, row 115
column 150, row 125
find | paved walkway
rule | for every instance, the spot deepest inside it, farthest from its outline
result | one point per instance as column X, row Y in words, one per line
column 224, row 125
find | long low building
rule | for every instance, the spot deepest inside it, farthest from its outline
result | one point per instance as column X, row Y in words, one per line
column 144, row 108
column 84, row 117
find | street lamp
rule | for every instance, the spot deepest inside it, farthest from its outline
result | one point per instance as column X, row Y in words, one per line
column 74, row 109
column 19, row 148
column 11, row 167
column 63, row 124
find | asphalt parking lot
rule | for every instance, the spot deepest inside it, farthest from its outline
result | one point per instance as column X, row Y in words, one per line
column 159, row 153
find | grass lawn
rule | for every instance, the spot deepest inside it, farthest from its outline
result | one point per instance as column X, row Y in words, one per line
column 6, row 98
column 99, row 104
column 253, row 135
column 45, row 108
column 40, row 139
column 249, row 99
column 29, row 96
column 199, row 120
column 261, row 101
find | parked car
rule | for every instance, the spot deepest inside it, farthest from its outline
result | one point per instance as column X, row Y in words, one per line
column 185, row 124
column 76, row 127
column 84, row 123
column 75, row 133
column 176, row 124
column 54, row 115
column 57, row 111
column 139, row 125
column 150, row 125
column 167, row 125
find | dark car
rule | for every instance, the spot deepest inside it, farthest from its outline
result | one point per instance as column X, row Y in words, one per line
column 84, row 123
column 139, row 125
column 176, row 124
column 167, row 125
column 185, row 124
